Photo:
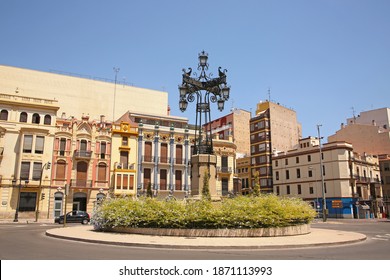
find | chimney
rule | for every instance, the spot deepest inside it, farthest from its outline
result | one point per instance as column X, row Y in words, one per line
column 63, row 115
column 102, row 118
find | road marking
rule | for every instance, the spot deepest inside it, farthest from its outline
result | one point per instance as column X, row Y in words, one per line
column 381, row 236
column 382, row 239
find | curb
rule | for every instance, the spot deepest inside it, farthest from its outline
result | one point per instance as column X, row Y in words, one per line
column 206, row 243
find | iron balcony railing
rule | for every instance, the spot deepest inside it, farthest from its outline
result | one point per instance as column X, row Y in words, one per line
column 82, row 154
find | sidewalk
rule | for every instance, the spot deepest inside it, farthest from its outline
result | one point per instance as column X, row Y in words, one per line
column 317, row 237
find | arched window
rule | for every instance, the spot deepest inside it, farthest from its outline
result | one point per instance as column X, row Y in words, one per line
column 23, row 117
column 36, row 118
column 47, row 120
column 4, row 115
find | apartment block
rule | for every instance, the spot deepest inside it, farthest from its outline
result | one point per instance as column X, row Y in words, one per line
column 235, row 124
column 274, row 128
column 348, row 182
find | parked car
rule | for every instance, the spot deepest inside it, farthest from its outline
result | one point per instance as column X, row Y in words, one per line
column 74, row 217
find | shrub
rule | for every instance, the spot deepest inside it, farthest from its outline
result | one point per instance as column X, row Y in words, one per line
column 239, row 212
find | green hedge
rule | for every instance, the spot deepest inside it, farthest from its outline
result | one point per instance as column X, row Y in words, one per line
column 240, row 212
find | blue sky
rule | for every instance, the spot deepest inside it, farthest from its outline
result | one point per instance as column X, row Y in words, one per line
column 321, row 58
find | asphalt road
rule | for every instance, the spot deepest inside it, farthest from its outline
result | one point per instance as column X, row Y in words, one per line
column 29, row 242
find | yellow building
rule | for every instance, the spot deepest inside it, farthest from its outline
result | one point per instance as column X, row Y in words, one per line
column 27, row 128
column 124, row 157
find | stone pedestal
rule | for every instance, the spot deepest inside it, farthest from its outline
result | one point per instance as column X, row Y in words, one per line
column 201, row 164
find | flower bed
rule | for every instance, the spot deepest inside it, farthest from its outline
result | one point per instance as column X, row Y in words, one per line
column 262, row 212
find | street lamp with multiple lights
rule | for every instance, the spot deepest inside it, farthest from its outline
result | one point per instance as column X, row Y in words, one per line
column 14, row 181
column 203, row 89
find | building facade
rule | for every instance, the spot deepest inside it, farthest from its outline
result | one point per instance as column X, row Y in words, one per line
column 274, row 128
column 225, row 151
column 27, row 129
column 384, row 163
column 349, row 182
column 79, row 95
column 80, row 164
column 164, row 149
column 235, row 124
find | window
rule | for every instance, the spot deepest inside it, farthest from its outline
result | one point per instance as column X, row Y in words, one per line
column 25, row 170
column 102, row 172
column 298, row 173
column 286, row 161
column 83, row 145
column 36, row 118
column 23, row 117
column 39, row 144
column 37, row 167
column 61, row 170
column 47, row 120
column 288, row 189
column 103, row 147
column 28, row 201
column 299, row 189
column 225, row 186
column 323, row 170
column 325, row 188
column 277, row 175
column 287, row 174
column 124, row 159
column 276, row 163
column 125, row 141
column 310, row 173
column 297, row 159
column 224, row 162
column 308, row 157
column 62, row 146
column 4, row 115
column 163, row 179
column 27, row 143
column 311, row 190
column 277, row 190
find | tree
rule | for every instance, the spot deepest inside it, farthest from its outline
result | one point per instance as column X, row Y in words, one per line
column 206, row 189
column 256, row 181
column 149, row 192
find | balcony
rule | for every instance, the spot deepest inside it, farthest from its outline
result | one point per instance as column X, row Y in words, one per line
column 126, row 166
column 226, row 170
column 80, row 154
column 77, row 183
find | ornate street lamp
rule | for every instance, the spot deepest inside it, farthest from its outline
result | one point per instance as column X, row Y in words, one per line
column 203, row 89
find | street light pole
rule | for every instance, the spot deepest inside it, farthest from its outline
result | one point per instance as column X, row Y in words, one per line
column 214, row 89
column 324, row 210
column 116, row 70
column 40, row 194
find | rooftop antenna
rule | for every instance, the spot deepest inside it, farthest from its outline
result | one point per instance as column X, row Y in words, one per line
column 116, row 70
column 353, row 113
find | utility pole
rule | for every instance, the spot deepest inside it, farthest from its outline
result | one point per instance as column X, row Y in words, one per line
column 324, row 210
column 116, row 70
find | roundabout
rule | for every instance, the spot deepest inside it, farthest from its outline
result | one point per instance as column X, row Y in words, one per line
column 316, row 237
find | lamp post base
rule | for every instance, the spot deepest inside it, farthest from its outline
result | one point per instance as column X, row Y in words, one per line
column 201, row 164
